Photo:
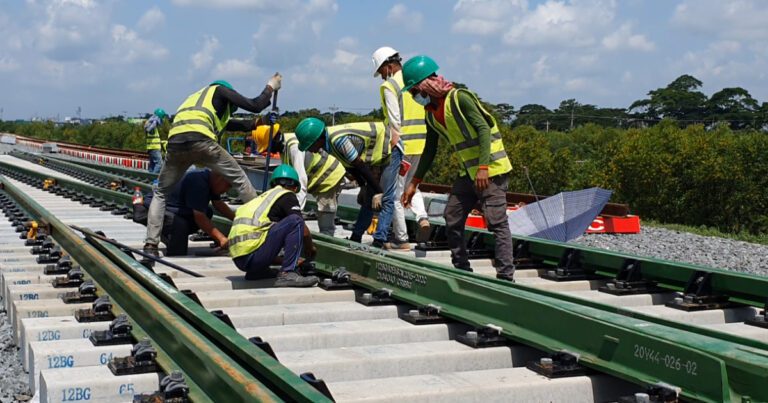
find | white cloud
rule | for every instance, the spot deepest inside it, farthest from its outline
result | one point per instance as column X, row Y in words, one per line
column 733, row 19
column 623, row 38
column 486, row 17
column 238, row 4
column 407, row 19
column 564, row 24
column 204, row 57
column 236, row 68
column 576, row 84
column 70, row 29
column 129, row 47
column 542, row 71
column 348, row 42
column 144, row 85
column 8, row 64
column 151, row 19
column 344, row 58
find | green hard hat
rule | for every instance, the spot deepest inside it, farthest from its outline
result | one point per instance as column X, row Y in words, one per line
column 223, row 84
column 417, row 69
column 160, row 112
column 284, row 171
column 308, row 131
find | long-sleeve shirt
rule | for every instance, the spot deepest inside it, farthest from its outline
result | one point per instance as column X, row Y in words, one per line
column 393, row 114
column 223, row 97
column 347, row 149
column 152, row 123
column 475, row 118
column 299, row 160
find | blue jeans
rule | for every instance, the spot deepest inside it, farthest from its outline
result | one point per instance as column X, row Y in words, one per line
column 388, row 184
column 286, row 234
column 155, row 161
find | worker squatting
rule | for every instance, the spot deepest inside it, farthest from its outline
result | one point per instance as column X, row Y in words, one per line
column 387, row 159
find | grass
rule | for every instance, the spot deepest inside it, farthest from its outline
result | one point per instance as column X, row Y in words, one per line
column 707, row 231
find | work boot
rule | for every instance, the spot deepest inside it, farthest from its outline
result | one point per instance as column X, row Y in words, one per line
column 424, row 231
column 506, row 275
column 397, row 246
column 151, row 249
column 356, row 238
column 293, row 279
column 377, row 244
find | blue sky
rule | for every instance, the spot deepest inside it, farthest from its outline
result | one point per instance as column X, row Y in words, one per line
column 118, row 56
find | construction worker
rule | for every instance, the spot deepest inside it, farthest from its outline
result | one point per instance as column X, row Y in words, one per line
column 268, row 224
column 320, row 174
column 194, row 139
column 405, row 119
column 187, row 210
column 153, row 141
column 363, row 148
column 458, row 116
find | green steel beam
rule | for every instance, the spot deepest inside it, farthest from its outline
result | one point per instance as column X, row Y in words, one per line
column 266, row 369
column 737, row 362
column 221, row 376
column 706, row 368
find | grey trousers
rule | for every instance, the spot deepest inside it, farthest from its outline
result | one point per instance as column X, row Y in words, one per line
column 179, row 158
column 493, row 201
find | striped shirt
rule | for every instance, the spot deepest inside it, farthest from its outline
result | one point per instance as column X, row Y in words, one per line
column 347, row 148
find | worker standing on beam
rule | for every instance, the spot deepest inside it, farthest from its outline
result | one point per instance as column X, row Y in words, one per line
column 153, row 141
column 364, row 150
column 458, row 116
column 268, row 224
column 320, row 174
column 194, row 139
column 405, row 119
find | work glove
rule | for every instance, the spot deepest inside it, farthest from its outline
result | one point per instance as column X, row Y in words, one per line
column 275, row 82
column 272, row 117
column 376, row 201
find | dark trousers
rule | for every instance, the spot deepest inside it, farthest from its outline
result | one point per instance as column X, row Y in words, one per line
column 493, row 201
column 287, row 235
column 176, row 229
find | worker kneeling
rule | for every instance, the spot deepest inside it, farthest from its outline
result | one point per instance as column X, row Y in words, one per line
column 268, row 224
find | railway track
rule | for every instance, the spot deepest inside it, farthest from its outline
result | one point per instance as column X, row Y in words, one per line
column 633, row 337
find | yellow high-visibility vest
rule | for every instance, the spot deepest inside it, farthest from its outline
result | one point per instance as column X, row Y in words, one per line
column 463, row 137
column 197, row 114
column 153, row 140
column 323, row 172
column 251, row 224
column 413, row 129
column 375, row 136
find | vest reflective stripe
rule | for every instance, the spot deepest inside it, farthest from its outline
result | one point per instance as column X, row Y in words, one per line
column 375, row 136
column 323, row 170
column 251, row 224
column 197, row 114
column 330, row 173
column 462, row 136
column 413, row 130
column 153, row 140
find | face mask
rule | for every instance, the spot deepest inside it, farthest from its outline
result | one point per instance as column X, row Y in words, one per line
column 423, row 101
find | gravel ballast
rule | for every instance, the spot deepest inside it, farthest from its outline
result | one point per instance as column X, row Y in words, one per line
column 676, row 246
column 13, row 379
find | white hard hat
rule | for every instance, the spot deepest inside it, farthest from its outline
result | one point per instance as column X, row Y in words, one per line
column 380, row 56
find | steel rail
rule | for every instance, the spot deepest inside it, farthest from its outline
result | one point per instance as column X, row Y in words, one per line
column 629, row 348
column 638, row 350
column 219, row 374
column 750, row 290
column 80, row 147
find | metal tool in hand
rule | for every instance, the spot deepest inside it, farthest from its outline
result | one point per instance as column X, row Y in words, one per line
column 269, row 142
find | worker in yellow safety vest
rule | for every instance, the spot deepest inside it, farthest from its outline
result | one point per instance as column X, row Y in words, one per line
column 271, row 223
column 364, row 149
column 457, row 116
column 405, row 119
column 320, row 174
column 153, row 141
column 194, row 139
